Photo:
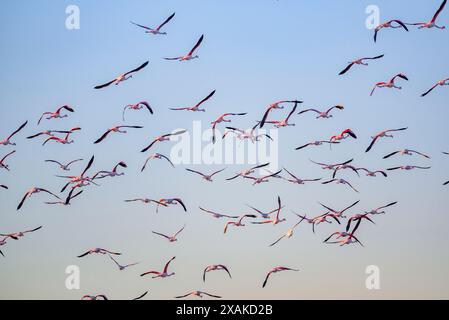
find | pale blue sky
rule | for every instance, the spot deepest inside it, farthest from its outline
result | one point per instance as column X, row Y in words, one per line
column 254, row 53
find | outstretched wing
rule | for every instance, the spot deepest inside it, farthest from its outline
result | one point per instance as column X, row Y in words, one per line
column 196, row 45
column 166, row 21
column 346, row 69
column 20, row 128
column 101, row 86
column 138, row 68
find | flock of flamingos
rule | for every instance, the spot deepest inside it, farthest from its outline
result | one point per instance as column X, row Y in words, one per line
column 76, row 184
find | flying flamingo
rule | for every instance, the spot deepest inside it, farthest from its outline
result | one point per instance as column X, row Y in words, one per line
column 323, row 114
column 357, row 218
column 69, row 198
column 332, row 167
column 3, row 165
column 56, row 114
column 341, row 181
column 358, row 62
column 98, row 251
column 172, row 238
column 146, row 201
column 383, row 134
column 370, row 173
column 122, row 77
column 407, row 168
column 249, row 171
column 246, row 134
column 206, row 177
column 165, row 137
column 81, row 180
column 190, row 55
column 7, row 141
column 156, row 156
column 158, row 29
column 116, row 129
column 274, row 106
column 215, row 267
column 378, row 210
column 113, row 173
column 64, row 167
column 431, row 23
column 172, row 201
column 97, row 297
column 346, row 237
column 276, row 219
column 288, row 234
column 64, row 140
column 344, row 167
column 343, row 135
column 218, row 215
column 20, row 234
column 265, row 215
column 263, row 178
column 49, row 133
column 323, row 218
column 340, row 214
column 276, row 270
column 441, row 83
column 317, row 143
column 32, row 191
column 283, row 123
column 239, row 222
column 196, row 108
column 393, row 24
column 123, row 267
column 407, row 152
column 221, row 119
column 390, row 83
column 138, row 106
column 297, row 180
column 199, row 294
column 163, row 274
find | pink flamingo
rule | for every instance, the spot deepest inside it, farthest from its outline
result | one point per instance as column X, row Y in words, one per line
column 393, row 24
column 138, row 106
column 98, row 251
column 165, row 137
column 275, row 106
column 56, row 114
column 116, row 129
column 206, row 177
column 323, row 114
column 196, row 108
column 276, row 270
column 7, row 141
column 383, row 134
column 122, row 77
column 215, row 267
column 163, row 274
column 239, row 222
column 3, row 165
column 431, row 23
column 156, row 156
column 390, row 84
column 64, row 167
column 440, row 83
column 359, row 62
column 407, row 152
column 32, row 191
column 343, row 135
column 158, row 29
column 190, row 55
column 172, row 238
column 64, row 140
column 199, row 294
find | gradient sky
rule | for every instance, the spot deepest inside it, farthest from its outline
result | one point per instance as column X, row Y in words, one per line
column 254, row 53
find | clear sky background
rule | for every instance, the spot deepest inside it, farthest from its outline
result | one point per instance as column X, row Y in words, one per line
column 254, row 53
